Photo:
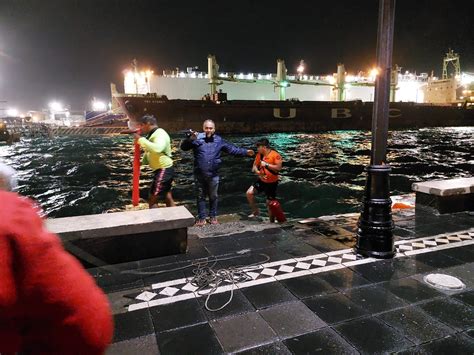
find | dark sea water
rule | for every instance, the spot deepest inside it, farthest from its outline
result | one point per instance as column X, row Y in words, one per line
column 323, row 173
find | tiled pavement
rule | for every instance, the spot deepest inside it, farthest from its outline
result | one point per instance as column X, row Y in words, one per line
column 352, row 306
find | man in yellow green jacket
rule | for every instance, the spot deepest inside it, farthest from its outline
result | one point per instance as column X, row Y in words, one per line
column 157, row 147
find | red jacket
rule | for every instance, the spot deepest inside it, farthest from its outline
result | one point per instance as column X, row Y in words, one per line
column 48, row 303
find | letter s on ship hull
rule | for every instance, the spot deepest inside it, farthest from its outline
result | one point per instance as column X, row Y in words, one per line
column 246, row 116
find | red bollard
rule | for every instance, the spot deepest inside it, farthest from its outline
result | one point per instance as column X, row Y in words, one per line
column 277, row 211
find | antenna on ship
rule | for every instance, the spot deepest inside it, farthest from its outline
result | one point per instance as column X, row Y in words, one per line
column 135, row 73
column 213, row 74
column 340, row 81
column 452, row 58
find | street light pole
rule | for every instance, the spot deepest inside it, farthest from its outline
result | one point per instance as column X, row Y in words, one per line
column 375, row 226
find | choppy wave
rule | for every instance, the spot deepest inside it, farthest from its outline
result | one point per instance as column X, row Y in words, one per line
column 323, row 173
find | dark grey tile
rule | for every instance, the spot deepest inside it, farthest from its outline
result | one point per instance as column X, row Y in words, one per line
column 162, row 275
column 271, row 349
column 199, row 339
column 291, row 319
column 466, row 297
column 411, row 290
column 453, row 313
column 437, row 260
column 465, row 272
column 269, row 294
column 239, row 304
column 227, row 246
column 177, row 315
column 465, row 253
column 275, row 254
column 242, row 332
column 334, row 308
column 308, row 286
column 415, row 324
column 254, row 243
column 131, row 325
column 455, row 344
column 145, row 345
column 325, row 341
column 374, row 299
column 372, row 336
column 386, row 270
column 118, row 281
column 298, row 249
column 343, row 279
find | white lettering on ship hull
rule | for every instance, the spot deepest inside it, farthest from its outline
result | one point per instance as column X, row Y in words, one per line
column 291, row 113
column 340, row 113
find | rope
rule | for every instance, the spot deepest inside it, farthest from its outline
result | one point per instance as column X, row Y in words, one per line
column 205, row 276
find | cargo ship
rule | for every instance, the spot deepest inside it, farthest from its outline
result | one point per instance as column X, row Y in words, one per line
column 344, row 100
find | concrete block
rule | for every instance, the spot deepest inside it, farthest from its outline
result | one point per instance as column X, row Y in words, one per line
column 449, row 187
column 103, row 239
column 120, row 223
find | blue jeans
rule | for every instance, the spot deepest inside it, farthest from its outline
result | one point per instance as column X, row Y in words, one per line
column 206, row 187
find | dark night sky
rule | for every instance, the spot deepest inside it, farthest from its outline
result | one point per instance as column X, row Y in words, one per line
column 71, row 49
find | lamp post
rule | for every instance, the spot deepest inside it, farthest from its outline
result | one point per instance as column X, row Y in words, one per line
column 375, row 226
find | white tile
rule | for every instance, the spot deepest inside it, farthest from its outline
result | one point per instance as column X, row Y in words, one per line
column 169, row 300
column 405, row 247
column 430, row 243
column 279, row 262
column 286, row 268
column 253, row 275
column 293, row 275
column 137, row 306
column 269, row 272
column 359, row 262
column 342, row 251
column 349, row 256
column 189, row 287
column 334, row 260
column 146, row 296
column 169, row 283
column 256, row 282
column 319, row 262
column 169, row 291
column 302, row 265
column 311, row 257
column 327, row 268
column 442, row 240
column 418, row 245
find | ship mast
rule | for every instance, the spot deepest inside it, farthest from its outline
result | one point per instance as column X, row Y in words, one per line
column 452, row 58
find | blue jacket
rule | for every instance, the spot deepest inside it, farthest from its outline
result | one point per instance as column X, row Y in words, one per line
column 207, row 153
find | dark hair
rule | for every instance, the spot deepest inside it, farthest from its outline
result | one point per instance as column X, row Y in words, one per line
column 148, row 119
column 263, row 142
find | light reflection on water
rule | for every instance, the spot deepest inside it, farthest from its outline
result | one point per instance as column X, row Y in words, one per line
column 323, row 172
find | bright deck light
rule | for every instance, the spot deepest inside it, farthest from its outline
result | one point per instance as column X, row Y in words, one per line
column 12, row 112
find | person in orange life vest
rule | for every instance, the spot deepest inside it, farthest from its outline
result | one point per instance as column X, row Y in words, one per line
column 267, row 165
column 48, row 303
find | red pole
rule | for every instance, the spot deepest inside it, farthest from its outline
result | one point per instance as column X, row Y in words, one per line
column 136, row 175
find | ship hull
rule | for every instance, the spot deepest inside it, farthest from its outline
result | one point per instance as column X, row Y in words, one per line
column 287, row 116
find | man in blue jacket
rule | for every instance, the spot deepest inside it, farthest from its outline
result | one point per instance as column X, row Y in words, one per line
column 207, row 148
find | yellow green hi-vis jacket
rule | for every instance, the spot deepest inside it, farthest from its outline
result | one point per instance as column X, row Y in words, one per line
column 157, row 150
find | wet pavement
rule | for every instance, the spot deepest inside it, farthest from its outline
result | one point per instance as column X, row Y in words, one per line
column 306, row 291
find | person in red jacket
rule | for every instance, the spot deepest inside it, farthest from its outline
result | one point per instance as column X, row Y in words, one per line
column 48, row 303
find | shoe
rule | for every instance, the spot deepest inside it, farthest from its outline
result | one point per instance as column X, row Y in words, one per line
column 200, row 223
column 214, row 221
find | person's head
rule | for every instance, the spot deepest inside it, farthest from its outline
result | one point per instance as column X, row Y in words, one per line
column 147, row 123
column 263, row 145
column 7, row 178
column 209, row 127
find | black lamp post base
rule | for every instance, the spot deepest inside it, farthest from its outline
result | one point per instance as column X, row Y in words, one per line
column 375, row 226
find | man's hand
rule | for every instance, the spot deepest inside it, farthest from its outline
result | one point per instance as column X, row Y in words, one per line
column 250, row 153
column 193, row 136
